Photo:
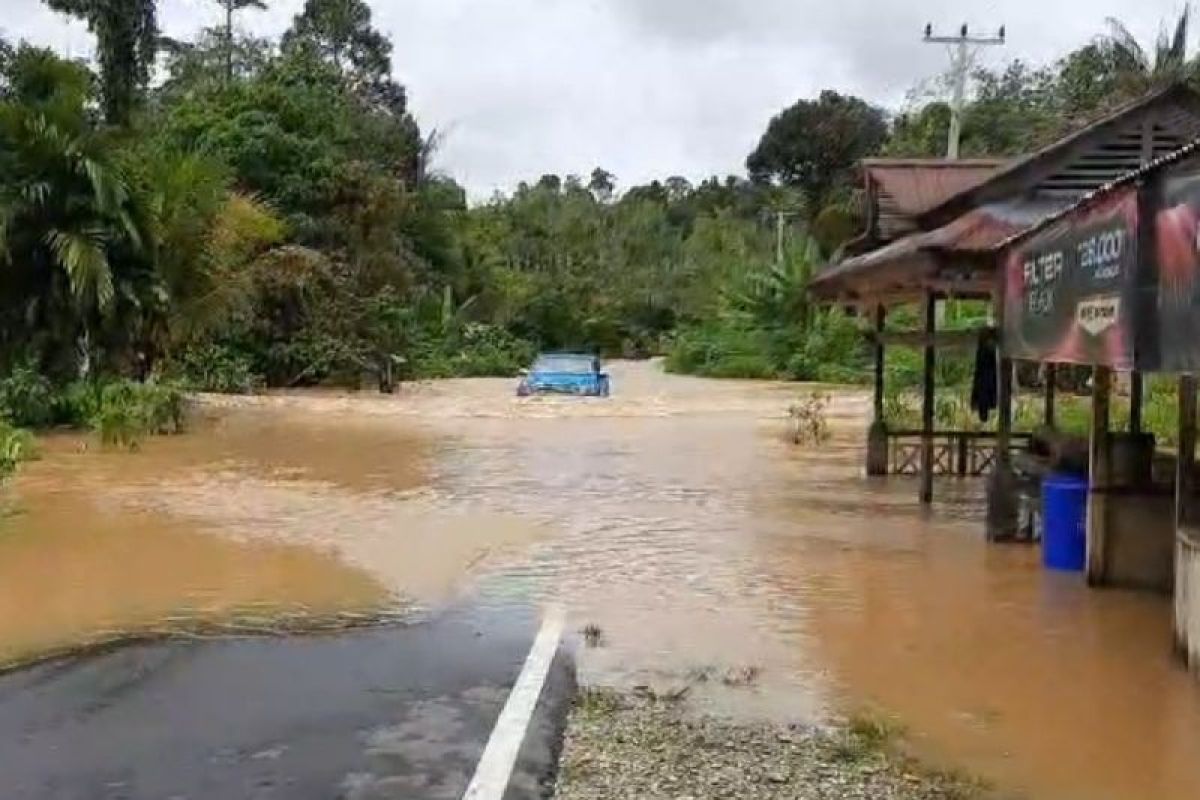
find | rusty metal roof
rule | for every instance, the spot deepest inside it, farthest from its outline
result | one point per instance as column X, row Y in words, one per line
column 912, row 186
column 1089, row 157
column 1012, row 197
column 1188, row 152
column 916, row 258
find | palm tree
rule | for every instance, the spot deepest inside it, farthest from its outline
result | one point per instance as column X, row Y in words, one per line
column 67, row 213
column 1168, row 62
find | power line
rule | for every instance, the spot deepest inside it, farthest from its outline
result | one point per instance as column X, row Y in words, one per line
column 963, row 49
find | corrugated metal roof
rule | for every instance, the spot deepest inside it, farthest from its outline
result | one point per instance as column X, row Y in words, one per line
column 980, row 230
column 1182, row 154
column 976, row 219
column 1173, row 109
column 913, row 186
column 977, row 231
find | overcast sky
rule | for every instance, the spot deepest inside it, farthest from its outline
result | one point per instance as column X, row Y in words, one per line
column 645, row 88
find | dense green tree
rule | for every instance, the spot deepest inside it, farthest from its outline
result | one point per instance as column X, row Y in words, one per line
column 1018, row 107
column 126, row 45
column 814, row 145
column 274, row 213
column 206, row 64
column 74, row 237
column 340, row 32
column 1014, row 111
column 920, row 132
column 602, row 185
column 1089, row 80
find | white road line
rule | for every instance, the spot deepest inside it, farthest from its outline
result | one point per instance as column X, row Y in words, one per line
column 500, row 755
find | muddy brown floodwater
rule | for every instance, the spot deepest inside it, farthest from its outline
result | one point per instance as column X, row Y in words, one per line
column 674, row 516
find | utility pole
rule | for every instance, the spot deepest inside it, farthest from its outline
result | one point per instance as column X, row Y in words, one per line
column 963, row 49
column 780, row 227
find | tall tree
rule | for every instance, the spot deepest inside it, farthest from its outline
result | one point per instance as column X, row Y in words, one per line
column 208, row 62
column 231, row 7
column 126, row 40
column 340, row 31
column 602, row 184
column 814, row 145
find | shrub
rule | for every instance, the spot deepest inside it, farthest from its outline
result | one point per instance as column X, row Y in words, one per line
column 27, row 398
column 127, row 411
column 809, row 423
column 16, row 445
column 901, row 409
column 722, row 351
column 478, row 350
column 741, row 365
column 77, row 404
column 903, row 367
column 216, row 368
column 489, row 350
column 839, row 373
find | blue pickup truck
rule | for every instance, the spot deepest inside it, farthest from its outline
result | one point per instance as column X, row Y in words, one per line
column 565, row 373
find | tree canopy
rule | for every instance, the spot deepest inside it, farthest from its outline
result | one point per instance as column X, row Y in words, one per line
column 126, row 45
column 814, row 145
column 270, row 212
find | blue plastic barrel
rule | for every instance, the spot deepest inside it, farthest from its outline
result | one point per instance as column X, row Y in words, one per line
column 1064, row 516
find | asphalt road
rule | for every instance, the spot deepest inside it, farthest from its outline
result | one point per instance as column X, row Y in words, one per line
column 401, row 712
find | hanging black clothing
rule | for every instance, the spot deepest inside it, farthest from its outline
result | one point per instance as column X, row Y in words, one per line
column 985, row 385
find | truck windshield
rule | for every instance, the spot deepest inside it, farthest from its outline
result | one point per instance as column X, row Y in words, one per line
column 578, row 365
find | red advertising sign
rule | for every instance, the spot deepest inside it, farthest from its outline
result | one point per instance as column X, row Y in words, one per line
column 1178, row 230
column 1069, row 289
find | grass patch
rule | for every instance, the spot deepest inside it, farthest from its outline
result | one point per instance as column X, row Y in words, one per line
column 597, row 701
column 16, row 445
column 873, row 730
column 864, row 737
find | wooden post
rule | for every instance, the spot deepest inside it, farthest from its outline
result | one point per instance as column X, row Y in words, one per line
column 1003, row 491
column 1136, row 395
column 1097, row 507
column 1048, row 416
column 1186, row 602
column 1004, row 415
column 927, row 406
column 878, row 455
column 1185, row 465
column 880, row 318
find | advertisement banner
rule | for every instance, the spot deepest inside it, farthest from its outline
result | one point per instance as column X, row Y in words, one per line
column 1069, row 290
column 1177, row 227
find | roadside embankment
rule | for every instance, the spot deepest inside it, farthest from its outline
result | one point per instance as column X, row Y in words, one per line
column 621, row 745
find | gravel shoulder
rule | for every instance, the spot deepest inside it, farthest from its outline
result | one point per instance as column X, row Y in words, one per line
column 638, row 745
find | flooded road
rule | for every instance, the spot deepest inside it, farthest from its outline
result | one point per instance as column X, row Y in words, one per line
column 674, row 517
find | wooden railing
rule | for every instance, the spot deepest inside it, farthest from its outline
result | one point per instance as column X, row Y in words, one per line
column 962, row 453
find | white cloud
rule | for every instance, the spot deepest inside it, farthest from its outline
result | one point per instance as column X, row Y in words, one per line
column 646, row 88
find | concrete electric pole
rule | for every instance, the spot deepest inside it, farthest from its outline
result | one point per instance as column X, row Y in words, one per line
column 781, row 218
column 963, row 49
